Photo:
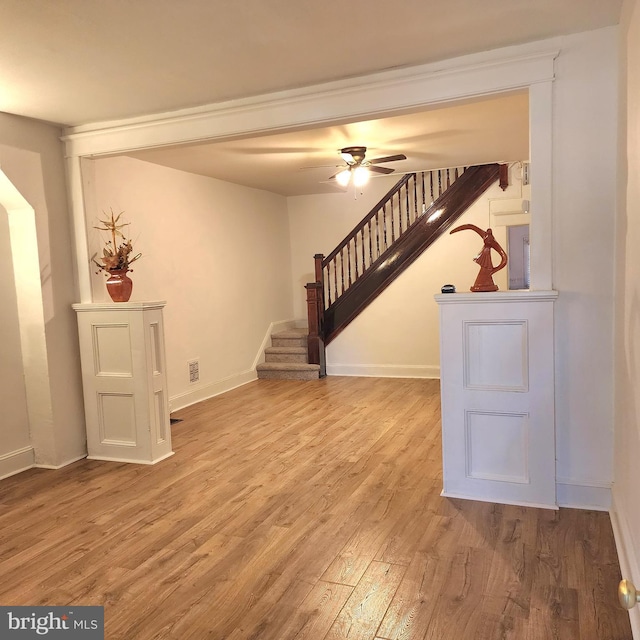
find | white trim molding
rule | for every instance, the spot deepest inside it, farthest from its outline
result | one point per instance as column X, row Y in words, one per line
column 496, row 296
column 183, row 400
column 16, row 461
column 583, row 494
column 59, row 466
column 384, row 370
column 410, row 88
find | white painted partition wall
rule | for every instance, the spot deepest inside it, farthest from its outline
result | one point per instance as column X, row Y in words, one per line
column 497, row 388
column 125, row 381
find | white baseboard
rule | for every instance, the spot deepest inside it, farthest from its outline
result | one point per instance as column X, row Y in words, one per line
column 384, row 370
column 131, row 460
column 59, row 466
column 464, row 496
column 16, row 461
column 280, row 325
column 205, row 392
column 578, row 494
column 626, row 557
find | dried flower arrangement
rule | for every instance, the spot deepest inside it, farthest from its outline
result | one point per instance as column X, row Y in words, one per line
column 115, row 257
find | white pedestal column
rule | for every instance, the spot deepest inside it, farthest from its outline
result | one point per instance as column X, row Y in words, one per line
column 125, row 381
column 497, row 390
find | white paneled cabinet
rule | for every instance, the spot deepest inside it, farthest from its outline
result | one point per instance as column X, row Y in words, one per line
column 497, row 392
column 125, row 381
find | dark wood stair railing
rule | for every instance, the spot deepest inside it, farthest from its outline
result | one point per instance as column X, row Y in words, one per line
column 417, row 210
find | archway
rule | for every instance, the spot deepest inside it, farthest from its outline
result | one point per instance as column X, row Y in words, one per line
column 30, row 307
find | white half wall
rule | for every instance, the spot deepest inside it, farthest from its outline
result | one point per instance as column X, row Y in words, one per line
column 218, row 253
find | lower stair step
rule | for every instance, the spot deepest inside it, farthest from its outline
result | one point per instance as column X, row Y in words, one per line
column 288, row 371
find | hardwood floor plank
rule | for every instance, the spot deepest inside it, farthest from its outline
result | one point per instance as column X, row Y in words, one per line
column 309, row 620
column 458, row 610
column 411, row 608
column 365, row 608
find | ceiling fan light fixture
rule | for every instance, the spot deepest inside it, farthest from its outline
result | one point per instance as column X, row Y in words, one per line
column 343, row 177
column 360, row 176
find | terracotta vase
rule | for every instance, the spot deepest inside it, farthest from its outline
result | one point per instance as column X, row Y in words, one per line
column 119, row 285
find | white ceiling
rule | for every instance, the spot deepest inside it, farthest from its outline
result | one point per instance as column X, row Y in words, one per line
column 77, row 62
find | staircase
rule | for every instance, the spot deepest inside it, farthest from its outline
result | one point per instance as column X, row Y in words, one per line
column 413, row 215
column 286, row 358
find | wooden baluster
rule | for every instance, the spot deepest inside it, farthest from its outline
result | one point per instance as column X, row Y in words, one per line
column 370, row 244
column 335, row 277
column 439, row 182
column 393, row 227
column 384, row 224
column 456, row 174
column 431, row 182
column 448, row 179
column 342, row 270
column 349, row 261
column 364, row 261
column 424, row 201
column 415, row 198
column 377, row 226
column 329, row 285
column 355, row 253
column 406, row 193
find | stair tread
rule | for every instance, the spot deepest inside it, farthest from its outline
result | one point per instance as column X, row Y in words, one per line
column 288, row 366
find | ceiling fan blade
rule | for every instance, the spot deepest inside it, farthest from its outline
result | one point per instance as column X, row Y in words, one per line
column 399, row 156
column 374, row 169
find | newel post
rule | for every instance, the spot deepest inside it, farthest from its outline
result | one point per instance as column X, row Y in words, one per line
column 315, row 342
column 315, row 317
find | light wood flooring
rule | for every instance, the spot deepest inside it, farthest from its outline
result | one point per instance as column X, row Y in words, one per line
column 304, row 510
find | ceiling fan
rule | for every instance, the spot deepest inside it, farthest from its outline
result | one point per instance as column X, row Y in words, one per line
column 358, row 169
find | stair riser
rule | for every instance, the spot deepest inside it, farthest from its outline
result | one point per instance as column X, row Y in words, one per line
column 288, row 375
column 288, row 342
column 280, row 357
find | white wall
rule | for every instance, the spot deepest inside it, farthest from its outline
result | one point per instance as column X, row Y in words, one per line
column 397, row 334
column 626, row 516
column 31, row 157
column 14, row 426
column 584, row 197
column 218, row 253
